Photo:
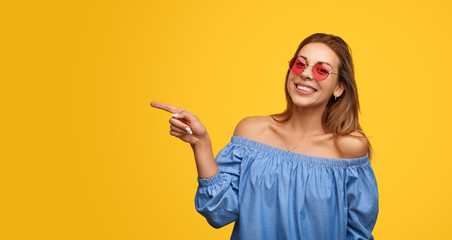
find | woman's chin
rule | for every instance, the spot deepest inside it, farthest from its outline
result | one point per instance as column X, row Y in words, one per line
column 300, row 102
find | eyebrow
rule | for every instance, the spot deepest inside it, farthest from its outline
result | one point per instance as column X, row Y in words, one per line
column 318, row 61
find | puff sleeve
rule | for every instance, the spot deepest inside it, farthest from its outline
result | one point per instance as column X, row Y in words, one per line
column 217, row 197
column 362, row 202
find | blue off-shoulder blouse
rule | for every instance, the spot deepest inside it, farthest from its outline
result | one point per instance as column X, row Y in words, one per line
column 274, row 194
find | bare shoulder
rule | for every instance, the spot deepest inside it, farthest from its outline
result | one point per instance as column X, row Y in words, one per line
column 353, row 145
column 249, row 127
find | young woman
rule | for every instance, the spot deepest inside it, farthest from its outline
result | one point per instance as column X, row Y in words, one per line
column 302, row 174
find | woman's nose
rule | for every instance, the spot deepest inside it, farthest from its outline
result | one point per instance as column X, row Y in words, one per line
column 307, row 73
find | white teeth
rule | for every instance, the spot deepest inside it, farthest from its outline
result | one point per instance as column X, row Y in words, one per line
column 305, row 88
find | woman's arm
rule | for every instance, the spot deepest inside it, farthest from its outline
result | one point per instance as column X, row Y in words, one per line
column 217, row 194
column 362, row 202
column 205, row 162
column 217, row 197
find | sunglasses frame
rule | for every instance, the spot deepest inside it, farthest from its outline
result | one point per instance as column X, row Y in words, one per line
column 312, row 68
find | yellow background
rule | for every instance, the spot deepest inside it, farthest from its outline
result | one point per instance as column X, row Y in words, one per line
column 84, row 156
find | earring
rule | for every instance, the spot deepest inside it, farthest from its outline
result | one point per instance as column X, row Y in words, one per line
column 334, row 98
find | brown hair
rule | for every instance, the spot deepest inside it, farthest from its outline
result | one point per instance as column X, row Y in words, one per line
column 341, row 115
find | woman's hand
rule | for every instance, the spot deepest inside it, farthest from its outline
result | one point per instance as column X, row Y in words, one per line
column 185, row 125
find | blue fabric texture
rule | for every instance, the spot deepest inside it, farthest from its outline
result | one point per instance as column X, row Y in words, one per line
column 272, row 194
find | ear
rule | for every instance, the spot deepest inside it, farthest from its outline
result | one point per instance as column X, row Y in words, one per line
column 339, row 89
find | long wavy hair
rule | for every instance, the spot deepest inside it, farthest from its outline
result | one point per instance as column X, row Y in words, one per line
column 340, row 116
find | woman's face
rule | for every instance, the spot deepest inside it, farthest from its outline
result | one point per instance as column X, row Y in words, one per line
column 324, row 89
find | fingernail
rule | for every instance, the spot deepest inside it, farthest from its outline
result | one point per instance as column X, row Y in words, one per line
column 175, row 114
column 188, row 130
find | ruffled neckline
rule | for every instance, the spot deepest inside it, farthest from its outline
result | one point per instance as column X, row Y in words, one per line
column 344, row 162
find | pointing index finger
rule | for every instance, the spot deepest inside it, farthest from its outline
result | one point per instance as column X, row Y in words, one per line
column 165, row 107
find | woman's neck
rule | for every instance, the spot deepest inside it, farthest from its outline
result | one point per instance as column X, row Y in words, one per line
column 305, row 122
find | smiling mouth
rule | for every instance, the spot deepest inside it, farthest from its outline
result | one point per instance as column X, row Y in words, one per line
column 307, row 89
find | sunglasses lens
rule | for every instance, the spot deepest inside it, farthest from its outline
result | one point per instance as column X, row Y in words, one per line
column 321, row 71
column 297, row 65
